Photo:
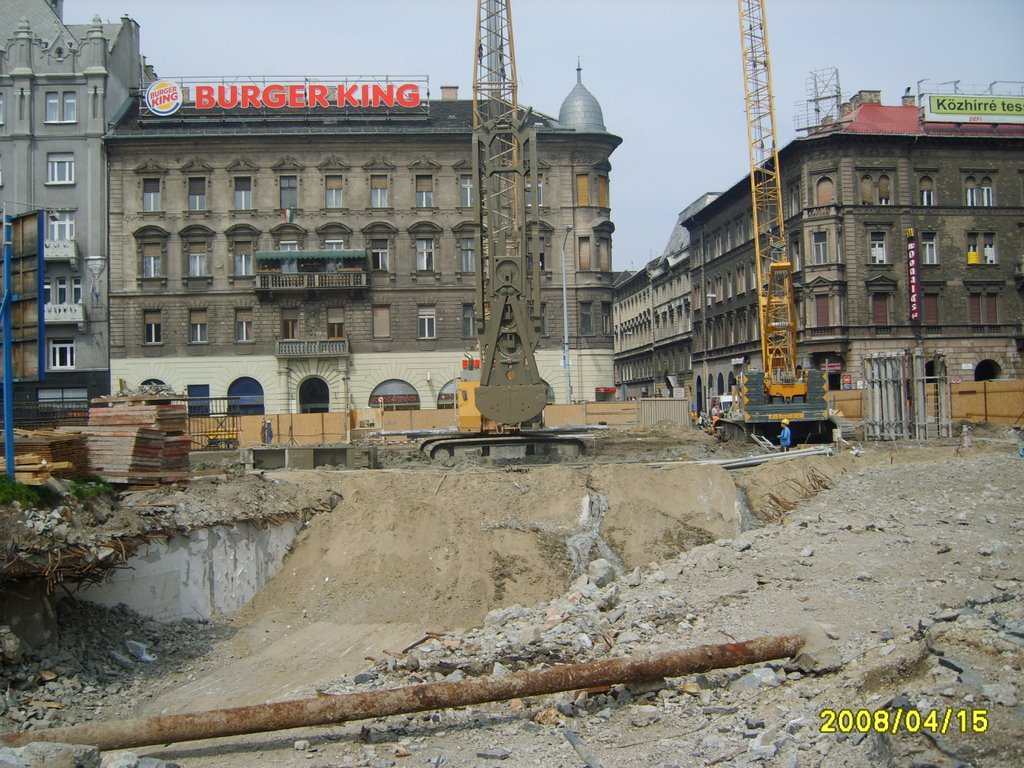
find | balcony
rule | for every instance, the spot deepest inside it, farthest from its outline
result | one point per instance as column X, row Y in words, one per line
column 302, row 281
column 59, row 250
column 71, row 314
column 311, row 270
column 312, row 348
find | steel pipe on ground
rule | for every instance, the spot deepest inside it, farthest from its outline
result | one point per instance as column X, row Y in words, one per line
column 325, row 709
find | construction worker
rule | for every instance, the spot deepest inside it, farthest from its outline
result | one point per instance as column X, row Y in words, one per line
column 785, row 437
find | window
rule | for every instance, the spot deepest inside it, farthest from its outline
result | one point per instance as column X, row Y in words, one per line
column 60, row 168
column 1, row 109
column 878, row 254
column 335, row 323
column 794, row 258
column 151, row 194
column 582, row 189
column 584, row 253
column 586, row 318
column 929, row 248
column 468, row 321
column 825, row 191
column 243, row 258
column 602, row 192
column 880, row 308
column 378, row 191
column 426, row 325
column 243, row 193
column 61, row 225
column 152, row 328
column 884, row 190
column 540, row 190
column 424, row 191
column 243, row 325
column 926, row 189
column 867, row 190
column 970, row 191
column 379, row 254
column 982, row 308
column 197, row 328
column 988, row 248
column 333, row 192
column 334, row 245
column 197, row 194
column 289, row 323
column 466, row 191
column 288, row 245
column 152, row 260
column 61, row 107
column 382, row 322
column 821, row 247
column 289, row 192
column 930, row 308
column 62, row 353
column 62, row 290
column 467, row 254
column 822, row 316
column 425, row 254
column 987, row 198
column 543, row 318
column 198, row 265
column 606, row 318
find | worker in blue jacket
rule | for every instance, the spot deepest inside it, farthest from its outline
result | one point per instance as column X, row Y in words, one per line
column 786, row 436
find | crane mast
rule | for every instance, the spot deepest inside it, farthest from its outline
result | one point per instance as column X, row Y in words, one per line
column 507, row 292
column 776, row 303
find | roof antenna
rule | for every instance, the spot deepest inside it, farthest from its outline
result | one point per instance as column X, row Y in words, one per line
column 579, row 71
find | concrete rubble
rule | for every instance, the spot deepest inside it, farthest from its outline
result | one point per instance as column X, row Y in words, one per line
column 908, row 573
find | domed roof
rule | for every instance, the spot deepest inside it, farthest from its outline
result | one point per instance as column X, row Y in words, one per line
column 580, row 110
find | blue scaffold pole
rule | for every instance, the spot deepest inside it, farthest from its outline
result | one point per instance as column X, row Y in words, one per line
column 5, row 311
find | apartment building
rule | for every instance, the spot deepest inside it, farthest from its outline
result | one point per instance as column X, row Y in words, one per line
column 904, row 227
column 60, row 86
column 311, row 246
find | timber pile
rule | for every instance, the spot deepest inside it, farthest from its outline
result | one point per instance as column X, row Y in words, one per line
column 42, row 453
column 138, row 439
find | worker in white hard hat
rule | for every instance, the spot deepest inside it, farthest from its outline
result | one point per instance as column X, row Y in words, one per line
column 785, row 437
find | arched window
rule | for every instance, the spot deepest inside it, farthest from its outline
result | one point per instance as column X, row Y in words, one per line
column 395, row 395
column 867, row 190
column 825, row 191
column 314, row 396
column 970, row 191
column 987, row 198
column 245, row 396
column 446, row 397
column 884, row 190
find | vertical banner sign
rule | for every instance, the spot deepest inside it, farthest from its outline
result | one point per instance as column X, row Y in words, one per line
column 913, row 286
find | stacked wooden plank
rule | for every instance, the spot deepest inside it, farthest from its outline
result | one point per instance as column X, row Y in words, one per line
column 42, row 453
column 138, row 439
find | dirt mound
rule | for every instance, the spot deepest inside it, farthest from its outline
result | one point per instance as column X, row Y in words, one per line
column 445, row 547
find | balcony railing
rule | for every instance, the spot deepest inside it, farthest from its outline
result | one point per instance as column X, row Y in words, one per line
column 291, row 281
column 63, row 313
column 312, row 348
column 59, row 250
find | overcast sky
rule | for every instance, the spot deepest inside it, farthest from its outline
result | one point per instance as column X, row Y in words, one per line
column 667, row 73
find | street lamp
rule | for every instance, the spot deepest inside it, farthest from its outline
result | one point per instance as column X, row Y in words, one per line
column 565, row 321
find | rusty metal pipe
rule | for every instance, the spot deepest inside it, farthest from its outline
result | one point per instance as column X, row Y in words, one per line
column 325, row 709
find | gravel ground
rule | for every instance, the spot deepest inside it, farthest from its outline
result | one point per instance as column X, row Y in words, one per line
column 903, row 565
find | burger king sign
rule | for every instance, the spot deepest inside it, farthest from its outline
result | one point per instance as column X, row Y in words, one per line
column 164, row 97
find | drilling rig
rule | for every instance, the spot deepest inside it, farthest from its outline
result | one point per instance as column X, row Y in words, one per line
column 782, row 390
column 501, row 395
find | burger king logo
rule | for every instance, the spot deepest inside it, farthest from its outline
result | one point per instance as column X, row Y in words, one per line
column 164, row 97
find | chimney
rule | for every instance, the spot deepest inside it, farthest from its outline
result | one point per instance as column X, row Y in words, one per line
column 449, row 92
column 868, row 97
column 846, row 108
column 909, row 100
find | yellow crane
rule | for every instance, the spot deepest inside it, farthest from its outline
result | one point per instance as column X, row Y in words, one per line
column 782, row 390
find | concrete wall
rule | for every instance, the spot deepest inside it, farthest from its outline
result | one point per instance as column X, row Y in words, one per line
column 210, row 571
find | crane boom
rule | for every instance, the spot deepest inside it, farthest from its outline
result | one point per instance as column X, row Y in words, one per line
column 507, row 293
column 776, row 302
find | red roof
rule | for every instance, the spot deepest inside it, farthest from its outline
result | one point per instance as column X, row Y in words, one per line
column 880, row 119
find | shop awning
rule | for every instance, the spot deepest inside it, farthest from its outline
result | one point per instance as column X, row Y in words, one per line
column 351, row 254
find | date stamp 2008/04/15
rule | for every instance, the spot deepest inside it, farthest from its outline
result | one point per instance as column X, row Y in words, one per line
column 894, row 721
